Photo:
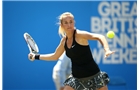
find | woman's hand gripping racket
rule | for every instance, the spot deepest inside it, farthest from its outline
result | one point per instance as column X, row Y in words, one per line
column 33, row 48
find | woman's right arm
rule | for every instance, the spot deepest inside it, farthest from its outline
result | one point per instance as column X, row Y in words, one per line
column 52, row 56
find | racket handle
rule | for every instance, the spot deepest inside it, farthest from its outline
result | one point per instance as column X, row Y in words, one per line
column 31, row 57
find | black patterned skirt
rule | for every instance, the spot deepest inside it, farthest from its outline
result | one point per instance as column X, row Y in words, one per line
column 89, row 83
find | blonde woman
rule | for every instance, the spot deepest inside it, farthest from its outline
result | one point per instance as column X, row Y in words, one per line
column 86, row 74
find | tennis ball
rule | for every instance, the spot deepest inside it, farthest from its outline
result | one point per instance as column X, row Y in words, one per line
column 110, row 34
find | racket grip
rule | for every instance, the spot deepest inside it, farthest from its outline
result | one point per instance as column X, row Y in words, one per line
column 31, row 57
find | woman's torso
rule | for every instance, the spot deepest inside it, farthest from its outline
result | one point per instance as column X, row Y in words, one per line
column 83, row 64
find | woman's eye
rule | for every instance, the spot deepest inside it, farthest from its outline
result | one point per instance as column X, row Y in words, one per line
column 71, row 22
column 66, row 22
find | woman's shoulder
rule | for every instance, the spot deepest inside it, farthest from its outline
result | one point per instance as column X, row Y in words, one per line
column 80, row 31
column 63, row 39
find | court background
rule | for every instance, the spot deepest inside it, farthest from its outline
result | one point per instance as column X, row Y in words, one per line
column 40, row 18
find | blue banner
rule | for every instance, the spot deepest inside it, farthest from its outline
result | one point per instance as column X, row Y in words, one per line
column 40, row 18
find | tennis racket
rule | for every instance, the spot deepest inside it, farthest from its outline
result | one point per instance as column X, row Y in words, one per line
column 33, row 48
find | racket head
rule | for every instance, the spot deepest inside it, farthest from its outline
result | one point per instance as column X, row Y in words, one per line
column 33, row 48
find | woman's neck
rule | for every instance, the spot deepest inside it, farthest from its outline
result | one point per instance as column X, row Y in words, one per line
column 69, row 34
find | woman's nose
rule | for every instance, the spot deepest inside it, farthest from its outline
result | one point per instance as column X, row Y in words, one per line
column 69, row 24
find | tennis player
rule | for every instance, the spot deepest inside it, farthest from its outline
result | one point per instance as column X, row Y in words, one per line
column 61, row 71
column 86, row 74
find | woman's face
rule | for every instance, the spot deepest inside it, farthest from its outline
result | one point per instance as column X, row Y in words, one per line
column 68, row 23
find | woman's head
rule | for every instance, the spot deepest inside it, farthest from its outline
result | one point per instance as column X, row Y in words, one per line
column 66, row 21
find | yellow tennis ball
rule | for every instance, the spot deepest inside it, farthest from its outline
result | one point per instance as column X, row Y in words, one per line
column 110, row 34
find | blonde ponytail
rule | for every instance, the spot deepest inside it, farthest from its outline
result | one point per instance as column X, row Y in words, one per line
column 61, row 31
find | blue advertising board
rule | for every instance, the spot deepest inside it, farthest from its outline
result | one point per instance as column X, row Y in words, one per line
column 39, row 18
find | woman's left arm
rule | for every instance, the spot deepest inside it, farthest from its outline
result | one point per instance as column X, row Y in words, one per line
column 100, row 38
